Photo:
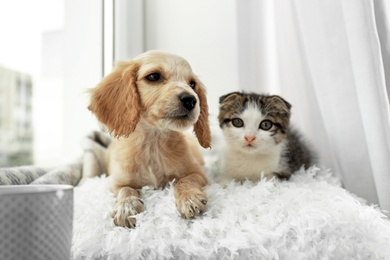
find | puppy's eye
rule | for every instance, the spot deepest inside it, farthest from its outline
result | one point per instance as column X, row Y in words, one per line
column 192, row 84
column 153, row 77
column 237, row 122
column 265, row 125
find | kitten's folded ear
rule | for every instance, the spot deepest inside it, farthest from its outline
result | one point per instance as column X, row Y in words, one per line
column 288, row 105
column 229, row 95
column 280, row 104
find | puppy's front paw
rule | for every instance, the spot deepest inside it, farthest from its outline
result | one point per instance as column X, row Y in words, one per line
column 191, row 203
column 125, row 209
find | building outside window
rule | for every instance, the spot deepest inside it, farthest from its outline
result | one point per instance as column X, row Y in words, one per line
column 16, row 130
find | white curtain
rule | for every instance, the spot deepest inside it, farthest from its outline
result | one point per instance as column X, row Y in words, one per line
column 325, row 58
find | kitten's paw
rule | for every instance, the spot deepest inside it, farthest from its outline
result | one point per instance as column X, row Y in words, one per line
column 125, row 209
column 191, row 203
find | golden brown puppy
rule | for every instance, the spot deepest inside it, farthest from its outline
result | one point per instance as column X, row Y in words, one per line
column 146, row 103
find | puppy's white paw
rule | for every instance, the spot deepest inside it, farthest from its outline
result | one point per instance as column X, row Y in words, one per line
column 191, row 203
column 125, row 209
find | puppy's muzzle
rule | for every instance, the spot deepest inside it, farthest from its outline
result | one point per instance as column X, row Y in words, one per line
column 188, row 101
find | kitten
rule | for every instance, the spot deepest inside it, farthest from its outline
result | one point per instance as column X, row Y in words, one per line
column 259, row 141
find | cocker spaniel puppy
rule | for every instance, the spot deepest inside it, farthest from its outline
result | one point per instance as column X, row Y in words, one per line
column 146, row 103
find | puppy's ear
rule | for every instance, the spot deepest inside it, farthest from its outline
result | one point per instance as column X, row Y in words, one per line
column 115, row 100
column 201, row 127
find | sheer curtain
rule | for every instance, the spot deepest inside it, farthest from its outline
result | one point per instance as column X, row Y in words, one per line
column 325, row 58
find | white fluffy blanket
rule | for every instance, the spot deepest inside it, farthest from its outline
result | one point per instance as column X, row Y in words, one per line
column 308, row 217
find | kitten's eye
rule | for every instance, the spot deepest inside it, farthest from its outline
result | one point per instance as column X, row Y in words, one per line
column 266, row 125
column 153, row 77
column 237, row 122
column 192, row 84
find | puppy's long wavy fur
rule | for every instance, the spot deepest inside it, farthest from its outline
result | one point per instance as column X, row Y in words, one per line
column 146, row 103
column 116, row 96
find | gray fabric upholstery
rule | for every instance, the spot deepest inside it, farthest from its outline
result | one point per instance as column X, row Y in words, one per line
column 91, row 164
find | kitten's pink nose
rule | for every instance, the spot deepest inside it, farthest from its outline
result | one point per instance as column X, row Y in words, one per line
column 250, row 138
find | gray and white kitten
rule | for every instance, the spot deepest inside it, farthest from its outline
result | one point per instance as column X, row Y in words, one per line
column 259, row 139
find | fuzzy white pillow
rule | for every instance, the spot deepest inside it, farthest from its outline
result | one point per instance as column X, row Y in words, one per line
column 308, row 217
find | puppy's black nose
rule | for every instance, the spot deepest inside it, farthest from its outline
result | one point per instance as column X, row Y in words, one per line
column 189, row 101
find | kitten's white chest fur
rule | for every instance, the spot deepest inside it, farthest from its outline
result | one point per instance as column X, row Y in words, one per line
column 236, row 165
column 252, row 160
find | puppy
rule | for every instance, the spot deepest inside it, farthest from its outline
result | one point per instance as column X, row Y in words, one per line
column 146, row 103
